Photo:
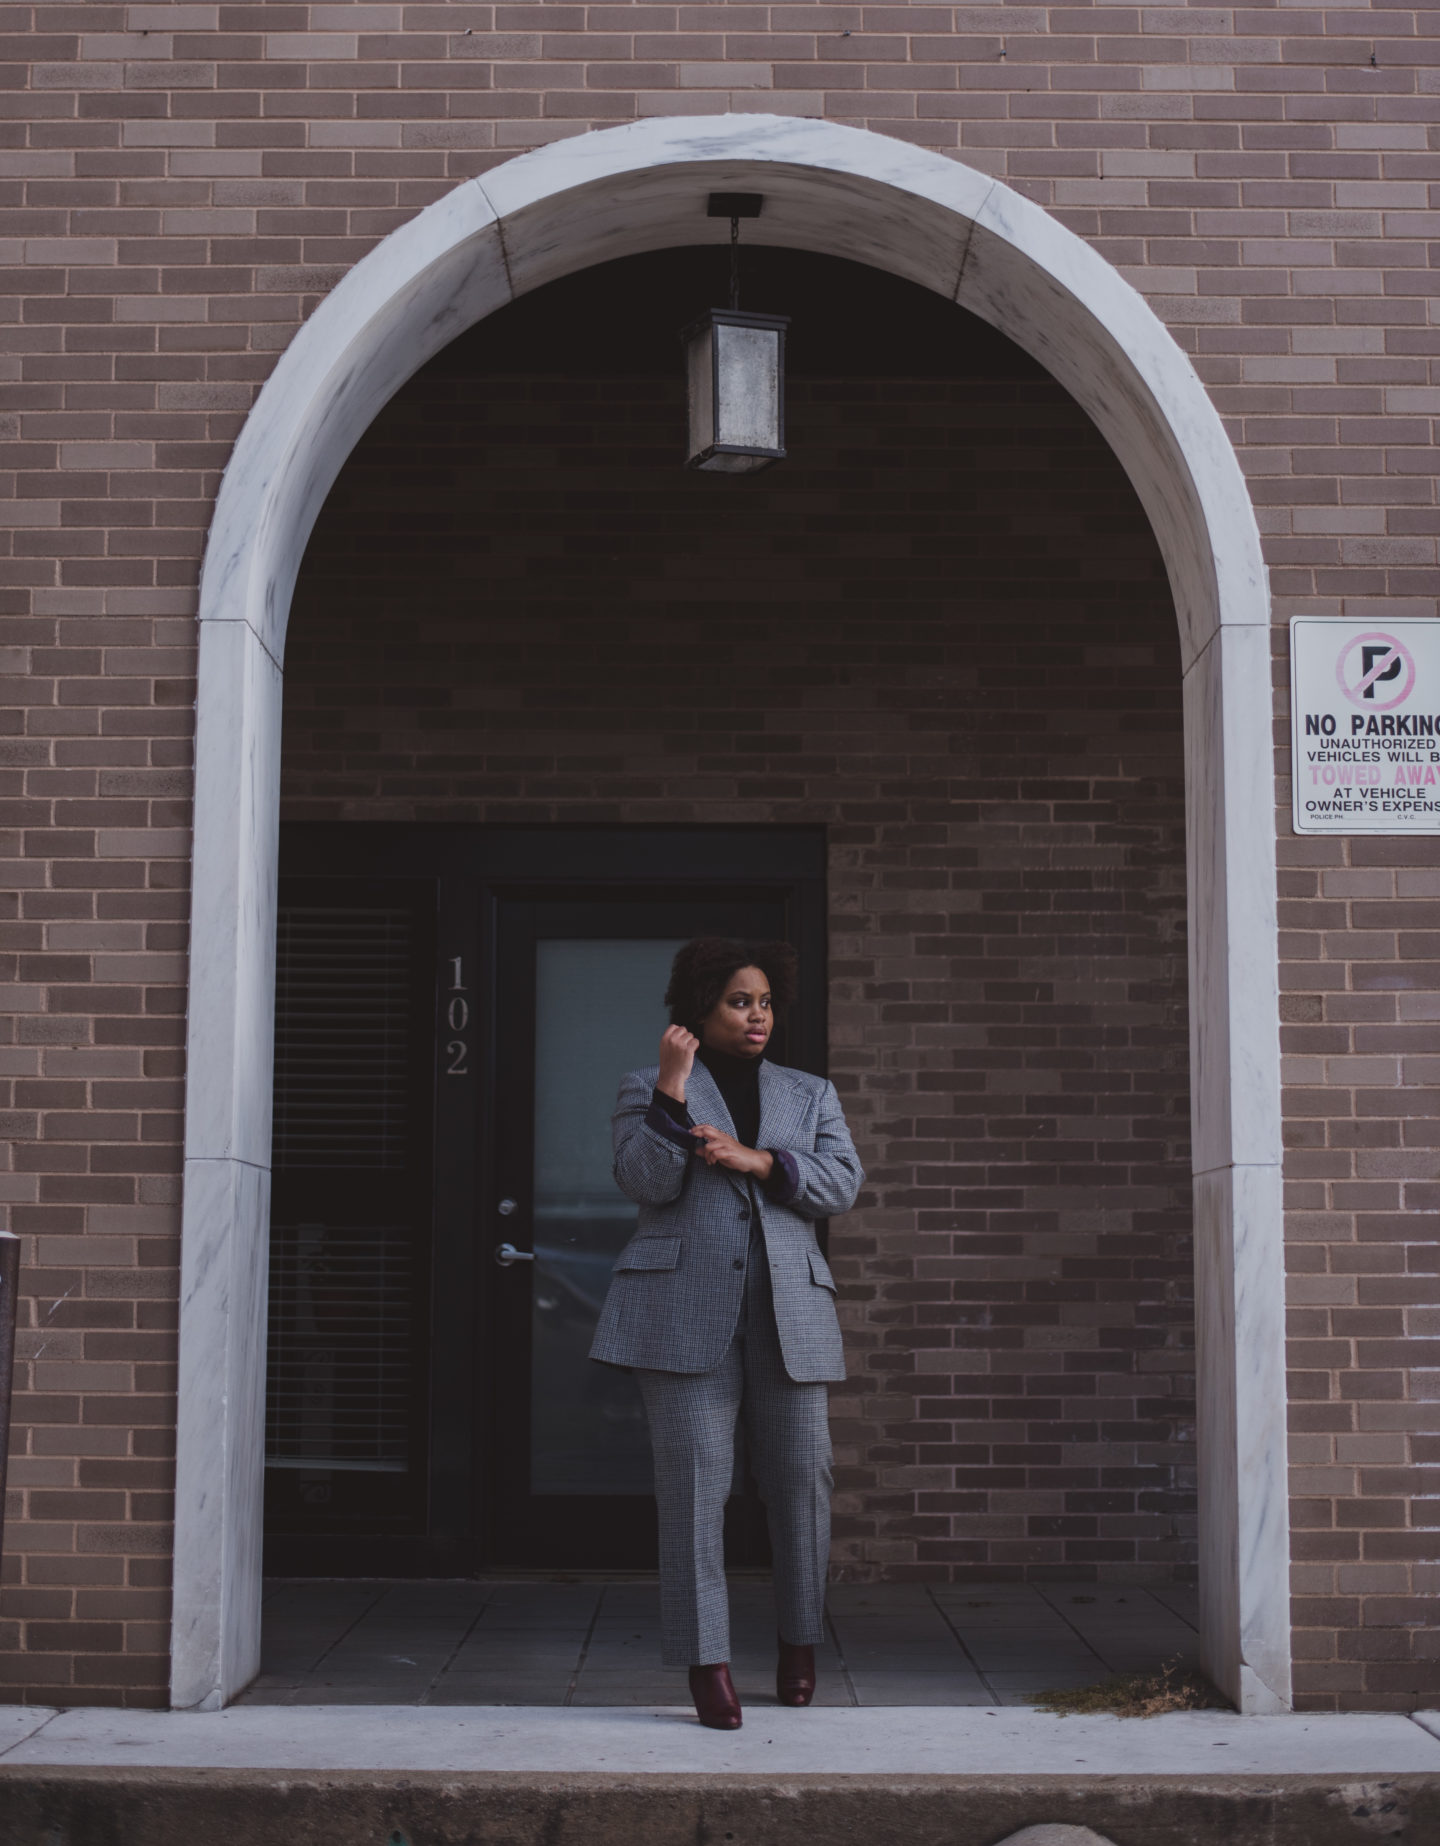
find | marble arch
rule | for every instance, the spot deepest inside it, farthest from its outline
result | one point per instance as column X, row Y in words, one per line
column 849, row 193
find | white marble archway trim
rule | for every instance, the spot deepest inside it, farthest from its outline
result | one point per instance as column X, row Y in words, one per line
column 843, row 192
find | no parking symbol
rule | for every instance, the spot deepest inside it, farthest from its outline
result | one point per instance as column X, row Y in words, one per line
column 1365, row 726
column 1372, row 662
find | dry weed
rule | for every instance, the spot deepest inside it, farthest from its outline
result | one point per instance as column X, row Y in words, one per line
column 1138, row 1695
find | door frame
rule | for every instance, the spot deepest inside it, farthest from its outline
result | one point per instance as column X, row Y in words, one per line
column 935, row 221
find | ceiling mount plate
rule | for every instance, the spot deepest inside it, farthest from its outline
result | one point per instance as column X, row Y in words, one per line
column 735, row 204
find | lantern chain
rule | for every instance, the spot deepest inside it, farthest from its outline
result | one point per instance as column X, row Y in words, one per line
column 734, row 264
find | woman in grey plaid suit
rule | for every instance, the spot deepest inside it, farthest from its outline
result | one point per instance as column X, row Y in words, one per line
column 724, row 1306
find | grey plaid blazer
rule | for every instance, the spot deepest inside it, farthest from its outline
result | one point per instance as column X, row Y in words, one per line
column 675, row 1295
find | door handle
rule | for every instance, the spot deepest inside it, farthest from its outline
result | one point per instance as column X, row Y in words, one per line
column 506, row 1254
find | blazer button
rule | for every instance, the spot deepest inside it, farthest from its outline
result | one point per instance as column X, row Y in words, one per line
column 739, row 1262
column 744, row 1211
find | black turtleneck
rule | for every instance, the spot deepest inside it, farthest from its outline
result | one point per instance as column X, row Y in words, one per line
column 738, row 1081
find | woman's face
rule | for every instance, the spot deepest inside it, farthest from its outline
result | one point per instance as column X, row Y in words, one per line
column 741, row 1020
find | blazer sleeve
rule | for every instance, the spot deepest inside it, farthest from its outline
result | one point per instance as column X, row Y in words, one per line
column 652, row 1151
column 830, row 1176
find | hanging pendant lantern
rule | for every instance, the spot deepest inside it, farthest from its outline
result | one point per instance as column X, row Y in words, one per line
column 735, row 378
column 735, row 370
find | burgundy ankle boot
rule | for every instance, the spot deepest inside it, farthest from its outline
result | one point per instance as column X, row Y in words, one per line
column 795, row 1675
column 717, row 1704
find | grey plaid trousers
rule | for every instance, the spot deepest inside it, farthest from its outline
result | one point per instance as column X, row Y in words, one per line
column 692, row 1418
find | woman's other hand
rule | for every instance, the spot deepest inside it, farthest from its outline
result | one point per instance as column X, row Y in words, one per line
column 677, row 1059
column 722, row 1150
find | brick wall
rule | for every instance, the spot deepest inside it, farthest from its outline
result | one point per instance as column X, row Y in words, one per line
column 1359, row 976
column 183, row 183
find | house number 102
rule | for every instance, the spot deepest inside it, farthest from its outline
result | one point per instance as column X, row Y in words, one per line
column 457, row 1020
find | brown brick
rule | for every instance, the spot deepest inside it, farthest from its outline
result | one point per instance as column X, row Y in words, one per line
column 184, row 200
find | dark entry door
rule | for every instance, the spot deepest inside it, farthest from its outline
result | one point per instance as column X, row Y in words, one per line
column 581, row 986
column 455, row 1007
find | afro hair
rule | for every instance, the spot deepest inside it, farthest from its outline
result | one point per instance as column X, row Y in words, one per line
column 702, row 969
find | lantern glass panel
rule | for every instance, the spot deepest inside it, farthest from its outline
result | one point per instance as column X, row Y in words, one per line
column 735, row 376
column 747, row 374
column 700, row 383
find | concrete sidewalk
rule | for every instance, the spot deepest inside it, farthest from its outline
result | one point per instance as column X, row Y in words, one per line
column 590, row 1776
column 631, row 1741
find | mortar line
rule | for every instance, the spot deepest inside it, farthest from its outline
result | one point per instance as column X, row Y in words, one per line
column 840, row 1656
column 454, row 1654
column 45, row 1724
column 381, row 1593
column 1084, row 1641
column 579, row 1667
column 980, row 1673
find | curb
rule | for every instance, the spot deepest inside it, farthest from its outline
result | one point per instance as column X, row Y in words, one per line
column 179, row 1807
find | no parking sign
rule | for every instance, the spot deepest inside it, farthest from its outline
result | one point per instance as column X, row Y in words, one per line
column 1365, row 726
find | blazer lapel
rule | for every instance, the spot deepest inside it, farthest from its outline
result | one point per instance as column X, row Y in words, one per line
column 706, row 1104
column 704, row 1101
column 779, row 1115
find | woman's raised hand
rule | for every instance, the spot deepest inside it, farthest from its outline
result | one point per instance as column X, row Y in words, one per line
column 677, row 1059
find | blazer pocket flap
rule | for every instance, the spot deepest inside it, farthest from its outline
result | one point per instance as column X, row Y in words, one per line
column 820, row 1271
column 650, row 1253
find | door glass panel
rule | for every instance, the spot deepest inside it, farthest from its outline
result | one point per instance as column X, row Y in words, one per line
column 598, row 1013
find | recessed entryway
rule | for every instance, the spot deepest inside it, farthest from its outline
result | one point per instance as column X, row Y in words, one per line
column 973, row 242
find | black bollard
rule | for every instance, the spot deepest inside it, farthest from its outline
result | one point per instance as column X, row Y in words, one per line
column 9, row 1289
